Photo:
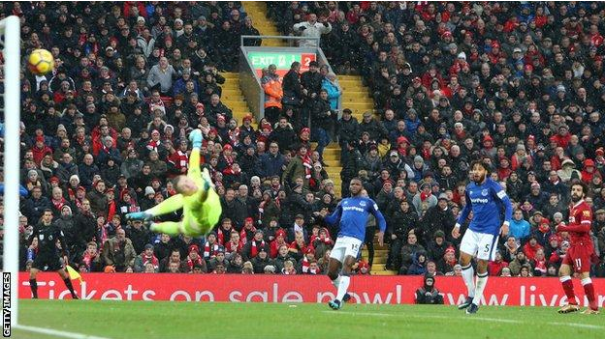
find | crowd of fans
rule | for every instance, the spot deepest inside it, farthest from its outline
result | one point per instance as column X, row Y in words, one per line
column 517, row 86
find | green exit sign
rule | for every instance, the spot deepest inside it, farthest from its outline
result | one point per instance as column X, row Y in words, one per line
column 281, row 60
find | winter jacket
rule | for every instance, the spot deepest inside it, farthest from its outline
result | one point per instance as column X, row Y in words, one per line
column 334, row 92
column 273, row 91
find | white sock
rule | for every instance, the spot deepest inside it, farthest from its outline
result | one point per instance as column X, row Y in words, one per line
column 336, row 282
column 481, row 283
column 343, row 286
column 468, row 273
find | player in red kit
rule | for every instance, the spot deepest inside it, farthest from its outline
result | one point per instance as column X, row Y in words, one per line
column 579, row 254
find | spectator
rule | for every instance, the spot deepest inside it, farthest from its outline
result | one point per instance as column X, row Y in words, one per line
column 273, row 94
column 145, row 258
column 519, row 227
column 161, row 76
column 519, row 263
column 119, row 253
column 312, row 29
column 428, row 294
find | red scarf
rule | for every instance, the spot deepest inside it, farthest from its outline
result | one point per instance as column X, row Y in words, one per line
column 221, row 236
column 243, row 235
column 254, row 250
column 192, row 263
column 88, row 258
column 207, row 251
column 229, row 160
column 234, row 136
column 230, row 248
column 274, row 247
column 111, row 210
column 305, row 265
column 59, row 204
column 179, row 160
column 153, row 145
column 151, row 259
column 308, row 164
column 540, row 265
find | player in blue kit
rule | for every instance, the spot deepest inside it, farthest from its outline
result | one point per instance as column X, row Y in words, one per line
column 486, row 199
column 351, row 214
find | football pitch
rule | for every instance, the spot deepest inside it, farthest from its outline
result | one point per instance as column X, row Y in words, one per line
column 115, row 319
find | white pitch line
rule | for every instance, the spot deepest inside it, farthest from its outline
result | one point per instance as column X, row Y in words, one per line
column 497, row 320
column 586, row 326
column 57, row 333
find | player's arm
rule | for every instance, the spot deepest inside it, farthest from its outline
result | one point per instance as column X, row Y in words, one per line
column 34, row 235
column 335, row 216
column 382, row 223
column 508, row 207
column 583, row 226
column 194, row 164
column 463, row 216
column 64, row 250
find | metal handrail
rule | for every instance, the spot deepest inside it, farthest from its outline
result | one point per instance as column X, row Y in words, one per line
column 277, row 37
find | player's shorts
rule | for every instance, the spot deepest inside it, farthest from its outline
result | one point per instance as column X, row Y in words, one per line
column 344, row 247
column 47, row 263
column 580, row 258
column 201, row 222
column 482, row 245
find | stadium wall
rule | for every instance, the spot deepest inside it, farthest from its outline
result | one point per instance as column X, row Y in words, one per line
column 296, row 289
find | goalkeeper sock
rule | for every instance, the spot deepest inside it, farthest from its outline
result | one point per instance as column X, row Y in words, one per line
column 468, row 273
column 33, row 284
column 589, row 291
column 481, row 283
column 336, row 282
column 568, row 288
column 343, row 286
column 70, row 287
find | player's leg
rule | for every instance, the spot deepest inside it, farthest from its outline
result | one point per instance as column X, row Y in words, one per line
column 335, row 264
column 174, row 203
column 468, row 248
column 33, row 283
column 486, row 251
column 584, row 269
column 172, row 228
column 565, row 278
column 351, row 248
column 480, row 284
column 67, row 282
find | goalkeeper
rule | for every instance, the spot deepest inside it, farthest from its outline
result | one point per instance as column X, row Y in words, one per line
column 196, row 196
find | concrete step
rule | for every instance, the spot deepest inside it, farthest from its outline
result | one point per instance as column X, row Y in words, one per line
column 377, row 252
column 375, row 272
column 233, row 97
column 332, row 163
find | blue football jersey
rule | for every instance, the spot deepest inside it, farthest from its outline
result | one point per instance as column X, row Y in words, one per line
column 352, row 216
column 486, row 201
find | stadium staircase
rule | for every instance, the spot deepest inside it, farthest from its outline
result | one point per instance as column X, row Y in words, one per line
column 257, row 10
column 233, row 97
column 356, row 97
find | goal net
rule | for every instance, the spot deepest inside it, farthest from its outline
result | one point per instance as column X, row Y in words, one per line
column 10, row 108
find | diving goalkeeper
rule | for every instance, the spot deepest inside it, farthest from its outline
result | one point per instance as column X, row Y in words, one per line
column 196, row 196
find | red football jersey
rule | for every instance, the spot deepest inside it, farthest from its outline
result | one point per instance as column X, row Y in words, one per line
column 580, row 222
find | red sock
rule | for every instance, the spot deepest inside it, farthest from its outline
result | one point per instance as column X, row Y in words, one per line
column 589, row 290
column 568, row 288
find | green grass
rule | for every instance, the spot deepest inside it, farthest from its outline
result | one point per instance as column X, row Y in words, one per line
column 114, row 319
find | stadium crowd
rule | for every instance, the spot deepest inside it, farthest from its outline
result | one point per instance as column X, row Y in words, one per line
column 517, row 86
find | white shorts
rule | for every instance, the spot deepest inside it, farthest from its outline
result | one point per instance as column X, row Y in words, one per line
column 481, row 245
column 345, row 246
